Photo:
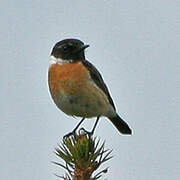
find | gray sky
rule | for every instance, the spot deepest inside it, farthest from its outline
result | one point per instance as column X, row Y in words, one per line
column 134, row 44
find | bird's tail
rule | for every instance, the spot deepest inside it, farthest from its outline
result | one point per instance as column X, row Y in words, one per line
column 121, row 125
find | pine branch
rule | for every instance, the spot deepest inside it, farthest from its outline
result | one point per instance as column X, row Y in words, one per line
column 82, row 155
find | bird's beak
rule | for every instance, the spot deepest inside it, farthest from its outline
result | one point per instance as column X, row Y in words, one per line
column 81, row 48
column 84, row 46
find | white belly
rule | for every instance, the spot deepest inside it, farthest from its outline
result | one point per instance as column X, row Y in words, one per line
column 86, row 104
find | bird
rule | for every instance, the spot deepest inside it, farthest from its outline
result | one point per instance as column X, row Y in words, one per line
column 77, row 87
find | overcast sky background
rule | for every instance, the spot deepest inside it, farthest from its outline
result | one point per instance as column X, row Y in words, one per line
column 134, row 44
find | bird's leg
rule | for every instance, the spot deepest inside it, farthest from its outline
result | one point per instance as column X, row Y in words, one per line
column 95, row 124
column 74, row 130
column 90, row 133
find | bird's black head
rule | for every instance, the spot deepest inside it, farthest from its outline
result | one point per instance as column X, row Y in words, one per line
column 69, row 50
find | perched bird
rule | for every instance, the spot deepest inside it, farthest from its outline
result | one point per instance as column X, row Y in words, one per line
column 77, row 87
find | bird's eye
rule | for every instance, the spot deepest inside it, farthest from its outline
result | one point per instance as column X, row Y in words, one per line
column 66, row 48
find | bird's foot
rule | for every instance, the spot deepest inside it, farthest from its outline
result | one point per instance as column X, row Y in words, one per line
column 83, row 131
column 73, row 133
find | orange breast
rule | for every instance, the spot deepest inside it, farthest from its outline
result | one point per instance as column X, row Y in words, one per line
column 69, row 78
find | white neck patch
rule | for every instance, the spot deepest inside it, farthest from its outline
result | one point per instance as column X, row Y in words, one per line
column 54, row 60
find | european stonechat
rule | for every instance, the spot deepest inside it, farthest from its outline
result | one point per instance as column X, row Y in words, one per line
column 78, row 88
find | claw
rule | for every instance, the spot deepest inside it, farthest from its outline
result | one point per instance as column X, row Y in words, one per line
column 83, row 131
column 68, row 135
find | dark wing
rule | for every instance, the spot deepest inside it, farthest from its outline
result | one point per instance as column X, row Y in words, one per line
column 97, row 78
